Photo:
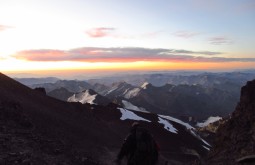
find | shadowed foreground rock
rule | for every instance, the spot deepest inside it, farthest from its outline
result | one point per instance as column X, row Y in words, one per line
column 236, row 138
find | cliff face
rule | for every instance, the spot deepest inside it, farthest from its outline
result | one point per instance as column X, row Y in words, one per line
column 236, row 138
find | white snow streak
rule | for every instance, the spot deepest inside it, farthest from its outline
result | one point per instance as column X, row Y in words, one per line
column 126, row 114
column 177, row 121
column 130, row 106
column 208, row 121
column 131, row 93
column 144, row 86
column 167, row 125
column 206, row 148
column 83, row 97
column 189, row 127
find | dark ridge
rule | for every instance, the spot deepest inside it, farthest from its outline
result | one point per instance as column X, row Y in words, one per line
column 236, row 138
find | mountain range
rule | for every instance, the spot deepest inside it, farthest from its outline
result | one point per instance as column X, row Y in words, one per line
column 192, row 97
column 39, row 129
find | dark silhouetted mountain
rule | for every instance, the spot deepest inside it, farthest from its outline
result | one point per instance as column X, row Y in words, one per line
column 89, row 96
column 38, row 129
column 41, row 90
column 116, row 89
column 70, row 85
column 235, row 139
column 32, row 81
column 100, row 88
column 60, row 93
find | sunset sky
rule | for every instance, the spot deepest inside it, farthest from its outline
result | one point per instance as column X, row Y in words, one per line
column 57, row 36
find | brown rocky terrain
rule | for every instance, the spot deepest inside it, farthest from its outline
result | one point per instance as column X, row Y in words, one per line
column 236, row 138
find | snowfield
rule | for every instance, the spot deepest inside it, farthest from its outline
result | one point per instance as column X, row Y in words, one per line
column 83, row 97
column 128, row 94
column 208, row 121
column 167, row 125
column 177, row 121
column 130, row 106
column 126, row 114
column 189, row 127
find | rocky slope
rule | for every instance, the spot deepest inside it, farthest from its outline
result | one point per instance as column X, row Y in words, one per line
column 41, row 129
column 60, row 93
column 236, row 138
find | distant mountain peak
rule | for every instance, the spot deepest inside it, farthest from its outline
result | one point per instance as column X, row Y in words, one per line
column 89, row 91
column 89, row 96
column 121, row 83
column 145, row 85
column 86, row 96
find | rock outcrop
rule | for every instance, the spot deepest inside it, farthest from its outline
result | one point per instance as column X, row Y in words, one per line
column 236, row 138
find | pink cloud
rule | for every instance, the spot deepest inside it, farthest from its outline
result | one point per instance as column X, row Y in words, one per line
column 100, row 32
column 4, row 27
column 42, row 55
column 128, row 54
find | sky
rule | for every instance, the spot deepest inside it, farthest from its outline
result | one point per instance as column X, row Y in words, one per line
column 74, row 36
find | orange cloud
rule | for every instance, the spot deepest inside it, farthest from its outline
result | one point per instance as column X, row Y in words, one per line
column 100, row 32
column 4, row 27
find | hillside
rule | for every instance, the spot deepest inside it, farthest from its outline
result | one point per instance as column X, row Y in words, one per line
column 58, row 131
column 235, row 139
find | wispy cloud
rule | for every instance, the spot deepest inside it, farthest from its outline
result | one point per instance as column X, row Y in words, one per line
column 4, row 27
column 220, row 40
column 185, row 34
column 128, row 54
column 100, row 32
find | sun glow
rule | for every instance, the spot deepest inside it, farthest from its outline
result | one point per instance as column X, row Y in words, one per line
column 14, row 65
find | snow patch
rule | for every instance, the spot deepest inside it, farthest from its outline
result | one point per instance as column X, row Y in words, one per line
column 83, row 97
column 126, row 114
column 130, row 106
column 167, row 125
column 206, row 148
column 177, row 121
column 205, row 142
column 111, row 90
column 208, row 121
column 189, row 127
column 144, row 86
column 131, row 93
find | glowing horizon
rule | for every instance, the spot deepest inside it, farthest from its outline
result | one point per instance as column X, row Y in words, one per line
column 74, row 36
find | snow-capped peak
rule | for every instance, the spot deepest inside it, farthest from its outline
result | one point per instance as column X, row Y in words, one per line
column 145, row 85
column 87, row 96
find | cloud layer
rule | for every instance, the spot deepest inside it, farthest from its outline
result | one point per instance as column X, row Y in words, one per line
column 128, row 54
column 100, row 32
column 4, row 27
column 221, row 40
